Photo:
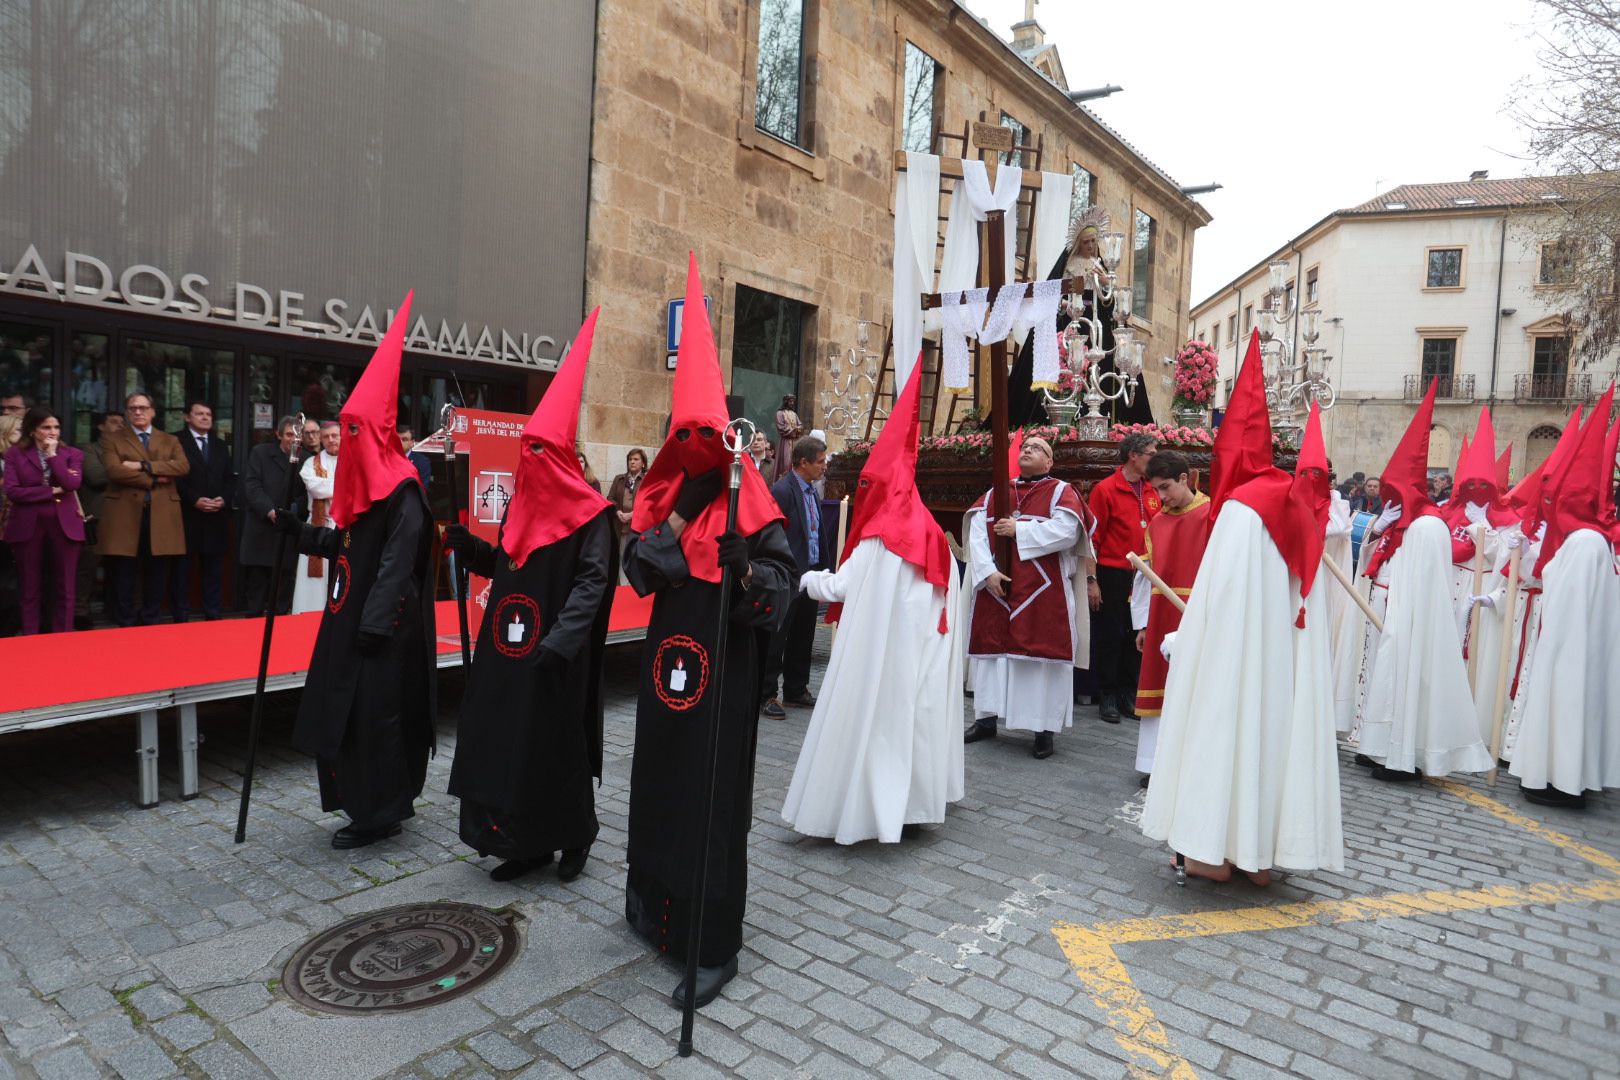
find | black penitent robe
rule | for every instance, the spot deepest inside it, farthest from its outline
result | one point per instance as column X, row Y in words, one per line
column 677, row 684
column 1026, row 405
column 529, row 738
column 368, row 719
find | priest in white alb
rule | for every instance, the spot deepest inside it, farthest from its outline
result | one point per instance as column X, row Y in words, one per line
column 319, row 474
column 1247, row 770
column 1027, row 632
column 883, row 753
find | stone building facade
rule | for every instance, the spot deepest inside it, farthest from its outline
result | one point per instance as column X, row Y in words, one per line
column 1453, row 280
column 793, row 230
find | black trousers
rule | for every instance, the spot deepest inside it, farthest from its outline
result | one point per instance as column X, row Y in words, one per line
column 153, row 571
column 254, row 587
column 1114, row 658
column 788, row 659
column 212, row 570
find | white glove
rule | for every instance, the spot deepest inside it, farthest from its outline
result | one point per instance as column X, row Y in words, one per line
column 1475, row 512
column 804, row 579
column 1486, row 600
column 1390, row 516
column 1168, row 643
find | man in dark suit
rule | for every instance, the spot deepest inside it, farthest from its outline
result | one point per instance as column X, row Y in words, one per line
column 269, row 480
column 206, row 495
column 788, row 658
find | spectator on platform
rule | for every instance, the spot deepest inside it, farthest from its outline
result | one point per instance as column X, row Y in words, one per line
column 318, row 474
column 590, row 476
column 91, row 494
column 207, row 493
column 269, row 479
column 10, row 615
column 14, row 405
column 311, row 442
column 141, row 528
column 423, row 463
column 44, row 525
column 788, row 656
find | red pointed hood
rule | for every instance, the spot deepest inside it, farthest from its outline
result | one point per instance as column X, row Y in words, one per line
column 1526, row 495
column 1015, row 446
column 694, row 446
column 1405, row 481
column 1462, row 456
column 1611, row 446
column 1242, row 448
column 1241, row 469
column 1572, row 496
column 887, row 504
column 551, row 498
column 1504, row 465
column 1312, row 498
column 1476, row 481
column 373, row 460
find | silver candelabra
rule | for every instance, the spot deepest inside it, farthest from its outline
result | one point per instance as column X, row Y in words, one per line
column 1091, row 386
column 1292, row 383
column 851, row 389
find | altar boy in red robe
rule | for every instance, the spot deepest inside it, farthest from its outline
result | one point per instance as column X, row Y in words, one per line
column 1175, row 546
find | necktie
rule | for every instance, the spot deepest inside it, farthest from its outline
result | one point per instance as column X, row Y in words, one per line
column 146, row 439
column 202, row 448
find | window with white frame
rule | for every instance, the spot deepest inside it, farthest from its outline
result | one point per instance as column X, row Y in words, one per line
column 1445, row 268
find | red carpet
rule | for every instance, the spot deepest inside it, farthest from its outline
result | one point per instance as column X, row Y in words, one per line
column 93, row 665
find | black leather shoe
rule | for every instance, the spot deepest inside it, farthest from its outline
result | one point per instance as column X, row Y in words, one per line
column 910, row 832
column 573, row 864
column 803, row 697
column 1365, row 762
column 1107, row 710
column 1143, row 783
column 516, row 868
column 709, row 982
column 1043, row 745
column 1126, row 706
column 979, row 731
column 1393, row 775
column 351, row 837
column 1551, row 796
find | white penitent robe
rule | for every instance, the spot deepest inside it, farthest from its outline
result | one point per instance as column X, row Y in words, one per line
column 884, row 745
column 1527, row 630
column 309, row 591
column 1419, row 713
column 1029, row 694
column 1346, row 623
column 1485, row 649
column 1247, row 769
column 1570, row 736
column 1376, row 592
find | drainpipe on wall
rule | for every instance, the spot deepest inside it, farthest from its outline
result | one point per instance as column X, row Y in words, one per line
column 1496, row 314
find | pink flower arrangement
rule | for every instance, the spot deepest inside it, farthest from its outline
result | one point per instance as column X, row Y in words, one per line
column 1165, row 434
column 1196, row 371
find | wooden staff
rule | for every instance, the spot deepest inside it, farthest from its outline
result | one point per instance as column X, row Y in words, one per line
column 1473, row 611
column 1350, row 587
column 1157, row 582
column 838, row 552
column 1499, row 698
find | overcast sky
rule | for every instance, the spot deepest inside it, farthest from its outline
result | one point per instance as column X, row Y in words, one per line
column 1298, row 109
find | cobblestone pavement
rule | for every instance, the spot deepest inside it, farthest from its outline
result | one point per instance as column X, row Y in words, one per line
column 1035, row 934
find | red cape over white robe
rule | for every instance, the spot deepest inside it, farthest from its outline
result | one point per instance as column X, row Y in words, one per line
column 884, row 745
column 1246, row 768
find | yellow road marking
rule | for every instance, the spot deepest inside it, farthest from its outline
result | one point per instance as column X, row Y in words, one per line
column 1513, row 817
column 1090, row 950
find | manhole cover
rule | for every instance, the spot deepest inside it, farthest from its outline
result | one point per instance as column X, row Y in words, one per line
column 401, row 958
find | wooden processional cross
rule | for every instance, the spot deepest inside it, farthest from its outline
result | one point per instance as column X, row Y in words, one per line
column 993, row 137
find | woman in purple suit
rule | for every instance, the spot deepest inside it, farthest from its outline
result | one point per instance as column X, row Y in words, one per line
column 44, row 524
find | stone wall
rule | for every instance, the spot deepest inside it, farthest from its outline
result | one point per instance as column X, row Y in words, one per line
column 677, row 166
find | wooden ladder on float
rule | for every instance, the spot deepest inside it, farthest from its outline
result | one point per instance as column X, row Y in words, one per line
column 1029, row 157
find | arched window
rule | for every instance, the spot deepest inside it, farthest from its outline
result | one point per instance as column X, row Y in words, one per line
column 1538, row 445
